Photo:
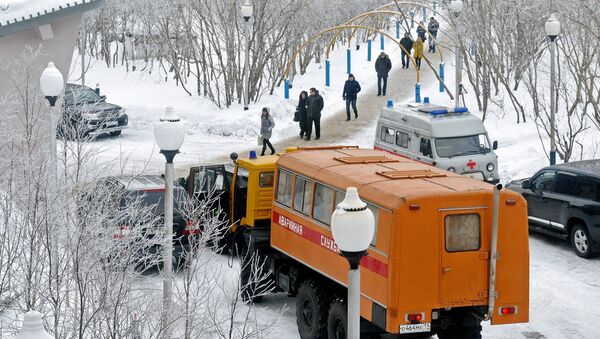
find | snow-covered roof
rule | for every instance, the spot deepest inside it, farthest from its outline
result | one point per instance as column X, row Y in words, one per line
column 16, row 15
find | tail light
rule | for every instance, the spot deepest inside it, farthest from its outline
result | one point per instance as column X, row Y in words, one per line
column 121, row 232
column 190, row 228
column 508, row 310
column 415, row 318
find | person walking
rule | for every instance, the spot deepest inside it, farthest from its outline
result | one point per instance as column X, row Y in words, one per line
column 407, row 44
column 351, row 89
column 303, row 116
column 418, row 52
column 315, row 106
column 421, row 31
column 383, row 65
column 433, row 30
column 266, row 129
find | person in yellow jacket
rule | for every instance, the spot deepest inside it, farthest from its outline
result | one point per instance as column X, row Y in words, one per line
column 418, row 51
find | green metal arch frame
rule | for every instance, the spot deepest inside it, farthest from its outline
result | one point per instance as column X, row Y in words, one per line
column 340, row 28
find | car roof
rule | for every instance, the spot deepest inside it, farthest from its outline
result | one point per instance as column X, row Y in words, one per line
column 590, row 167
column 143, row 182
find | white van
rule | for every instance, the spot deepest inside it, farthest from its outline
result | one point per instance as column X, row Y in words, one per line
column 448, row 138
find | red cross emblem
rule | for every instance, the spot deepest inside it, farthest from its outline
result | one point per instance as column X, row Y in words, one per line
column 471, row 164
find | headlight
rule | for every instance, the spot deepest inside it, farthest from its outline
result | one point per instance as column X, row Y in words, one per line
column 451, row 169
column 490, row 167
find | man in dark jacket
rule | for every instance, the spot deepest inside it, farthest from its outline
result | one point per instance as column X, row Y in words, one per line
column 383, row 65
column 407, row 44
column 421, row 31
column 315, row 106
column 433, row 30
column 351, row 89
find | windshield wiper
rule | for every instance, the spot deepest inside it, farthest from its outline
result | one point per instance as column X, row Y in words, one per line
column 464, row 153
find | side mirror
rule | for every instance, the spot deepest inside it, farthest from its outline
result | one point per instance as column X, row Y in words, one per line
column 495, row 145
column 525, row 184
column 233, row 156
column 103, row 98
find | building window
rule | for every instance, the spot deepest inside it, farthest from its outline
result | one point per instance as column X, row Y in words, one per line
column 402, row 139
column 303, row 195
column 462, row 232
column 387, row 134
column 284, row 188
column 323, row 204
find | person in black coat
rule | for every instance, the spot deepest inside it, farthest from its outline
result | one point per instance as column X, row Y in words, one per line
column 302, row 110
column 407, row 44
column 351, row 89
column 315, row 106
column 421, row 31
column 383, row 65
column 433, row 28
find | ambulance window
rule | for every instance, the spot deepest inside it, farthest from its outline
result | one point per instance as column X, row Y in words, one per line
column 462, row 232
column 303, row 195
column 387, row 134
column 323, row 206
column 284, row 188
column 402, row 139
column 266, row 179
column 425, row 148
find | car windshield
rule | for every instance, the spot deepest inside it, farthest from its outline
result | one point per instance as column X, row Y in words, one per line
column 155, row 198
column 80, row 95
column 464, row 145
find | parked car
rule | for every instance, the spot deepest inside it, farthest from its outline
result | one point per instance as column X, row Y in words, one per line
column 145, row 193
column 564, row 201
column 87, row 114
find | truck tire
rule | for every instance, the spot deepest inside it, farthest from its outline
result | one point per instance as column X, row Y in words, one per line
column 464, row 325
column 311, row 311
column 581, row 241
column 337, row 320
column 115, row 133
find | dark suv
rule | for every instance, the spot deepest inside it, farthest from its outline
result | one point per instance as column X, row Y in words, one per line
column 87, row 114
column 564, row 201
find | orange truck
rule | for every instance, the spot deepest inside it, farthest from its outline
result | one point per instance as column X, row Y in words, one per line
column 448, row 252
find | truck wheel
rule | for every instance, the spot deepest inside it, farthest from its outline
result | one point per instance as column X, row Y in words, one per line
column 337, row 321
column 581, row 241
column 311, row 311
column 115, row 133
column 464, row 325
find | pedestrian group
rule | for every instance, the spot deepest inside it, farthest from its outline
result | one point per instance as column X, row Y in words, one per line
column 310, row 105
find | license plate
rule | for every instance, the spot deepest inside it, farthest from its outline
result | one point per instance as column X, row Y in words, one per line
column 415, row 328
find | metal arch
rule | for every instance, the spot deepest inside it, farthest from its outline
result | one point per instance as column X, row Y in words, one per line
column 382, row 9
column 364, row 16
column 342, row 27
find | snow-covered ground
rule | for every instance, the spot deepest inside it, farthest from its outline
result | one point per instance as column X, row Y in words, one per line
column 565, row 289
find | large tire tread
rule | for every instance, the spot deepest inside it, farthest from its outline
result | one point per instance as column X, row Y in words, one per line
column 311, row 291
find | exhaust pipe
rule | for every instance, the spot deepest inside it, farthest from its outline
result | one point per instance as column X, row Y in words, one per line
column 493, row 254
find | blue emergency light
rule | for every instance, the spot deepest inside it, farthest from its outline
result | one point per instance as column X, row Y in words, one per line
column 252, row 155
column 438, row 112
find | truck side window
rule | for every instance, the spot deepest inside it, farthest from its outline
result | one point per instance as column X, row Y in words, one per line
column 425, row 148
column 323, row 204
column 266, row 179
column 402, row 139
column 387, row 134
column 462, row 232
column 339, row 197
column 284, row 188
column 303, row 195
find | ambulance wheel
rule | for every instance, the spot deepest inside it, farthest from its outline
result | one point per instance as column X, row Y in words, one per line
column 464, row 326
column 337, row 321
column 311, row 311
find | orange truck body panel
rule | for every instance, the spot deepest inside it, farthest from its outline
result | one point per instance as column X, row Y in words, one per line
column 408, row 269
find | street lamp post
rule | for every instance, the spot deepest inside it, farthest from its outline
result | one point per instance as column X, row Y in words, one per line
column 33, row 327
column 169, row 134
column 456, row 8
column 247, row 14
column 353, row 225
column 52, row 85
column 552, row 28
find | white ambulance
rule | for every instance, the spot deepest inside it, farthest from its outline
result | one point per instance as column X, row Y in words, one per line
column 448, row 138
